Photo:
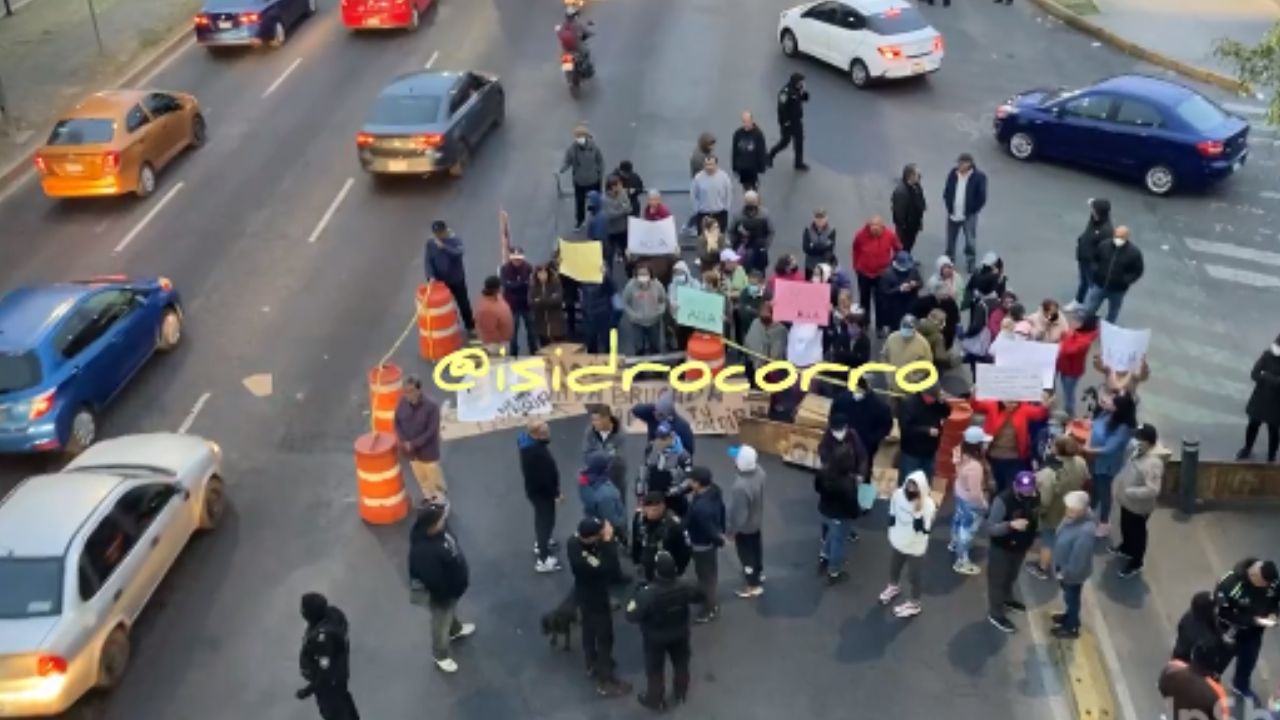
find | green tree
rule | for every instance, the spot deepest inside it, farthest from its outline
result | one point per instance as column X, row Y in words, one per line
column 1257, row 66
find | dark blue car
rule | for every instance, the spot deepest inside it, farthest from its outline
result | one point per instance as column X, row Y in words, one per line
column 1158, row 132
column 249, row 22
column 67, row 350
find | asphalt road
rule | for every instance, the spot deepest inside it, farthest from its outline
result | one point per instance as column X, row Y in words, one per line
column 232, row 224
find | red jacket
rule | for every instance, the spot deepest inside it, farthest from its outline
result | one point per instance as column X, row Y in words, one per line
column 656, row 213
column 872, row 255
column 1023, row 415
column 1073, row 350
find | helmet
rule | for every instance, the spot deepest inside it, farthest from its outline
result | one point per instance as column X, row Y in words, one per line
column 571, row 12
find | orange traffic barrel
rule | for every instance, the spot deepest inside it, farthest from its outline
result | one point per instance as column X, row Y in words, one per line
column 385, row 385
column 952, row 435
column 709, row 349
column 439, row 327
column 382, row 498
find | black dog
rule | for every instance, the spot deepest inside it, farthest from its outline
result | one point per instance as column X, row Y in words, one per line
column 559, row 622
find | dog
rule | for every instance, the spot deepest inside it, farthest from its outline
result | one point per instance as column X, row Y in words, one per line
column 558, row 623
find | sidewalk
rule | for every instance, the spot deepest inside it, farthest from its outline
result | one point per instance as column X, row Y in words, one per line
column 49, row 58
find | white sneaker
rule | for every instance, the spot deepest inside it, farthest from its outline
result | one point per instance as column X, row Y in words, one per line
column 750, row 593
column 447, row 665
column 466, row 630
column 910, row 608
column 551, row 565
column 1072, row 307
column 968, row 568
column 889, row 593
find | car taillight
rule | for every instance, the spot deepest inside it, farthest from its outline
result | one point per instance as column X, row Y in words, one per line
column 364, row 140
column 1005, row 111
column 248, row 18
column 110, row 162
column 566, row 58
column 890, row 52
column 41, row 405
column 1211, row 148
column 165, row 284
column 937, row 44
column 47, row 665
column 41, row 166
column 202, row 21
column 429, row 141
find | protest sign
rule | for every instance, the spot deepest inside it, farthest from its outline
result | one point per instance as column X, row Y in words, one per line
column 451, row 428
column 652, row 237
column 1009, row 383
column 1123, row 349
column 804, row 345
column 699, row 309
column 485, row 401
column 1029, row 354
column 802, row 302
column 582, row 261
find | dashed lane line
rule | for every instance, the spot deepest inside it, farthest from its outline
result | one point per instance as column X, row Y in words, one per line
column 432, row 60
column 333, row 208
column 1243, row 109
column 287, row 71
column 143, row 223
column 190, row 419
column 1236, row 252
column 1242, row 277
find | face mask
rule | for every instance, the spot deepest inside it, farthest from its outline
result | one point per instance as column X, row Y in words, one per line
column 859, row 396
column 839, row 434
column 581, row 141
column 751, row 209
column 644, row 279
column 1275, row 348
column 1118, row 241
column 908, row 332
column 755, row 290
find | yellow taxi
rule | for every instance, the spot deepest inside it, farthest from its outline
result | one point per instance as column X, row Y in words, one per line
column 114, row 143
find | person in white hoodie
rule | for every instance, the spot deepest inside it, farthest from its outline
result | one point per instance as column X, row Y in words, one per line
column 911, row 515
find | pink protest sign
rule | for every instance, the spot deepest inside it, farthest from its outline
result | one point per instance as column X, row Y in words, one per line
column 802, row 302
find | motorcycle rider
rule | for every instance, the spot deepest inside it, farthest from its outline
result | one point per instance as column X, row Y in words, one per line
column 573, row 35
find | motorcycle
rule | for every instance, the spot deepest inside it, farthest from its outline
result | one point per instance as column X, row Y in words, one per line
column 576, row 65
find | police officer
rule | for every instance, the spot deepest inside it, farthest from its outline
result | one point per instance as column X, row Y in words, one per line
column 593, row 558
column 656, row 528
column 662, row 609
column 1248, row 599
column 791, row 100
column 325, row 659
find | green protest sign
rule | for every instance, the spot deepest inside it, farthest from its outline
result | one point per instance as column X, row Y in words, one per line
column 700, row 309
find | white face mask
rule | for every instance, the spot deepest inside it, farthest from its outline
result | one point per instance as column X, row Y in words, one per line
column 581, row 141
column 839, row 434
column 644, row 279
column 1275, row 348
column 1119, row 241
column 859, row 395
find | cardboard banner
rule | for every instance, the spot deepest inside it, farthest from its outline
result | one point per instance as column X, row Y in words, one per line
column 699, row 309
column 1123, row 349
column 485, row 401
column 802, row 302
column 1009, row 383
column 1028, row 354
column 582, row 261
column 652, row 237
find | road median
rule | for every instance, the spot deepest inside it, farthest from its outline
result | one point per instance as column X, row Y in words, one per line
column 1083, row 672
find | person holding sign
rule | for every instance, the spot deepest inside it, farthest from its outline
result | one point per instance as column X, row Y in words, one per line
column 680, row 280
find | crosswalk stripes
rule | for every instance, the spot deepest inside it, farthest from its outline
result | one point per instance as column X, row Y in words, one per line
column 1236, row 252
column 1238, row 275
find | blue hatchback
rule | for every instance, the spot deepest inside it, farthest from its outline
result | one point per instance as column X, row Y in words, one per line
column 66, row 350
column 1163, row 134
column 249, row 22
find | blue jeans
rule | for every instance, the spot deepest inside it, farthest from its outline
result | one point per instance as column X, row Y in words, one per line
column 518, row 318
column 964, row 526
column 1093, row 301
column 1004, row 471
column 1071, row 599
column 908, row 464
column 1101, row 502
column 969, row 226
column 835, row 534
column 1069, row 385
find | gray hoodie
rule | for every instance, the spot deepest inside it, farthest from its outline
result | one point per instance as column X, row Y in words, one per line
column 711, row 193
column 617, row 209
column 644, row 305
column 746, row 497
column 1073, row 549
column 586, row 161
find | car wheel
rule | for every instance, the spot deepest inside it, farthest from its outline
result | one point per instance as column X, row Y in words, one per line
column 414, row 19
column 214, row 504
column 278, row 34
column 113, row 660
column 198, row 131
column 858, row 74
column 790, row 47
column 84, row 430
column 146, row 181
column 459, row 168
column 1022, row 146
column 1159, row 180
column 311, row 7
column 170, row 333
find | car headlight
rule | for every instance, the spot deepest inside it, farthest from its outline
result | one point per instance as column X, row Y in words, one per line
column 217, row 451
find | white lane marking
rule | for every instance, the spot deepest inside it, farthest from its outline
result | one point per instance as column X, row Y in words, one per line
column 143, row 223
column 1244, row 109
column 292, row 66
column 1270, row 195
column 432, row 60
column 333, row 208
column 1242, row 277
column 1236, row 252
column 190, row 419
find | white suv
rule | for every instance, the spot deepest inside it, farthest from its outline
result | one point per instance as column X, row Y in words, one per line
column 869, row 39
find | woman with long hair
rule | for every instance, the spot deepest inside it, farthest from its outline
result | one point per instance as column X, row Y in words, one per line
column 1109, row 436
column 973, row 483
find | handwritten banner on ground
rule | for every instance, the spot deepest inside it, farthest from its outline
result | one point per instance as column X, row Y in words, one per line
column 1029, row 354
column 652, row 237
column 486, row 402
column 582, row 261
column 699, row 309
column 1010, row 383
column 802, row 302
column 1123, row 349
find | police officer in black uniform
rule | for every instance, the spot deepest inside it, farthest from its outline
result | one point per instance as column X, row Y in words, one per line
column 1247, row 600
column 325, row 659
column 662, row 609
column 791, row 100
column 593, row 559
column 655, row 528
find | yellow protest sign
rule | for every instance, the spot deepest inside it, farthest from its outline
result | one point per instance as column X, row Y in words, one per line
column 582, row 261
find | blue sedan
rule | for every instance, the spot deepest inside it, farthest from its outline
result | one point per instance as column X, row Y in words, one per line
column 1158, row 132
column 67, row 350
column 249, row 22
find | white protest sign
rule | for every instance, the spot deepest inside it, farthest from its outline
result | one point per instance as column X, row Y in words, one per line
column 484, row 402
column 1029, row 354
column 1009, row 383
column 1123, row 349
column 652, row 237
column 804, row 345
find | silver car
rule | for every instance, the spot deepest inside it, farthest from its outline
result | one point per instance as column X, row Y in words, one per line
column 81, row 552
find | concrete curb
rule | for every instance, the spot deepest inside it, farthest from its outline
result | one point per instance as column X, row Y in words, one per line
column 16, row 172
column 1130, row 48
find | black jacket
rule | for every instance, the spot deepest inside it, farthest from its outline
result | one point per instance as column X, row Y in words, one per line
column 869, row 417
column 1240, row 603
column 1007, row 507
column 325, row 658
column 437, row 562
column 705, row 521
column 648, row 537
column 845, row 342
column 1116, row 269
column 975, row 193
column 633, row 184
column 1095, row 233
column 918, row 417
column 595, row 567
column 1200, row 626
column 791, row 100
column 908, row 205
column 837, row 490
column 750, row 150
column 1264, row 402
column 661, row 609
column 828, row 445
column 597, row 303
column 541, row 476
column 819, row 246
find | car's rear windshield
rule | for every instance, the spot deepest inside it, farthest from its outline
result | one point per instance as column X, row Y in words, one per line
column 30, row 587
column 896, row 21
column 82, row 131
column 1201, row 114
column 405, row 110
column 18, row 371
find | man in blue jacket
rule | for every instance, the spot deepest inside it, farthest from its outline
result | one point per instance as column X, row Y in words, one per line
column 705, row 527
column 964, row 195
column 442, row 262
column 664, row 411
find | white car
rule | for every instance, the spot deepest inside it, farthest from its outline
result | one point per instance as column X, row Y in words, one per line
column 869, row 39
column 81, row 552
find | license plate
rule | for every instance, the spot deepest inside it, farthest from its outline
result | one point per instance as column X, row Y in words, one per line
column 224, row 24
column 373, row 22
column 73, row 167
column 397, row 165
column 567, row 67
column 917, row 67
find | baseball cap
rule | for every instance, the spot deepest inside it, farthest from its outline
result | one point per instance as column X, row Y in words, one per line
column 727, row 255
column 439, row 226
column 664, row 430
column 839, row 422
column 590, row 527
column 431, row 513
column 1025, row 483
column 975, row 435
